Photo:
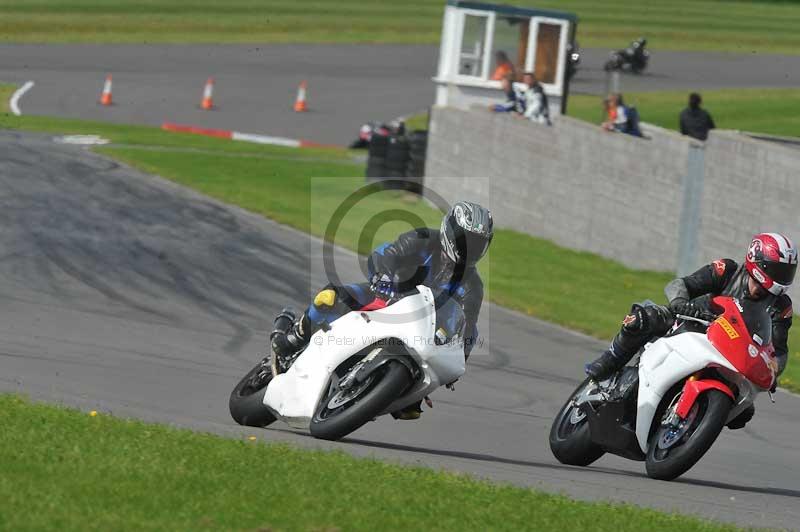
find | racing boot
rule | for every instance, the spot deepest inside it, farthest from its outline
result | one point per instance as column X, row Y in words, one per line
column 605, row 366
column 288, row 338
column 636, row 328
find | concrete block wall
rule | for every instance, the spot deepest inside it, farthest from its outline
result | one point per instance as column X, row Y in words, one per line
column 615, row 195
column 750, row 186
column 571, row 183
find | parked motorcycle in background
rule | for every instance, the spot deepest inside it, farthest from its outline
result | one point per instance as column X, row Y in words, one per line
column 633, row 58
column 669, row 408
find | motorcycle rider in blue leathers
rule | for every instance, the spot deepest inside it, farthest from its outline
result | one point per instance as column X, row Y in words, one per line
column 443, row 260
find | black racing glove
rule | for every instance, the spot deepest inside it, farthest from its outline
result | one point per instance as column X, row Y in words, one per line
column 689, row 308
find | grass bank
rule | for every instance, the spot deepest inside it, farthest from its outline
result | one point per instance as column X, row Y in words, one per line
column 66, row 470
column 6, row 91
column 735, row 26
column 302, row 188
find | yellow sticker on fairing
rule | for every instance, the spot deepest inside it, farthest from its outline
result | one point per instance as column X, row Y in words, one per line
column 728, row 328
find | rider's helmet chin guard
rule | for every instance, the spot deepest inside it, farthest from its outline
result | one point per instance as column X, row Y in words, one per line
column 772, row 261
column 466, row 232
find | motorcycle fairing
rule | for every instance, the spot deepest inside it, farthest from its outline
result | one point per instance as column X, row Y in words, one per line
column 293, row 396
column 611, row 421
column 665, row 362
column 745, row 338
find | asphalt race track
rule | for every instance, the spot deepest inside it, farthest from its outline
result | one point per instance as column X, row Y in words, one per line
column 348, row 84
column 127, row 294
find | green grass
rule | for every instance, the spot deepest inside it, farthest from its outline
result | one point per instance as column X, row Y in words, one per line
column 6, row 91
column 66, row 470
column 302, row 188
column 681, row 24
column 769, row 111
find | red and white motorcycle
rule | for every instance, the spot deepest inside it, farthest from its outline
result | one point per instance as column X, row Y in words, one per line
column 668, row 409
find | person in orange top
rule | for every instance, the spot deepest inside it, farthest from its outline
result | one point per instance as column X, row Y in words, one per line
column 504, row 67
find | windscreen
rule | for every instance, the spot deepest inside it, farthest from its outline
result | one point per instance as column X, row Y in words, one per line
column 757, row 319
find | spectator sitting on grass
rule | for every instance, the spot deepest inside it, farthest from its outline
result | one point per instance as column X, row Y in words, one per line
column 696, row 122
column 504, row 67
column 621, row 118
column 536, row 106
column 515, row 97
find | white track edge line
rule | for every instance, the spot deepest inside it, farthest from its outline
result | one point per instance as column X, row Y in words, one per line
column 14, row 102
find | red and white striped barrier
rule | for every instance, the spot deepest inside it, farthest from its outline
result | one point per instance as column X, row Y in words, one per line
column 244, row 137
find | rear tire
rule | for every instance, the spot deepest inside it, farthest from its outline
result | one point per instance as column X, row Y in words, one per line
column 246, row 403
column 391, row 380
column 713, row 407
column 570, row 440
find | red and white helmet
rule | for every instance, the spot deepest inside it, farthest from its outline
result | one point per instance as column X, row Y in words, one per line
column 772, row 262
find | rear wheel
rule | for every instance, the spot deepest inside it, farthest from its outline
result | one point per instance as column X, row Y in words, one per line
column 246, row 403
column 570, row 439
column 341, row 412
column 674, row 448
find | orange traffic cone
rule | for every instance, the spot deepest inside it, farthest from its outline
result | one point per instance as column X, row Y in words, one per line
column 105, row 97
column 300, row 102
column 208, row 93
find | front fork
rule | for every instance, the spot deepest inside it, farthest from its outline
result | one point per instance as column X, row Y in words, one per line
column 692, row 389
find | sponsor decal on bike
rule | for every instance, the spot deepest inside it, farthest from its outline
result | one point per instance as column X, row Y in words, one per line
column 719, row 267
column 753, row 350
column 727, row 327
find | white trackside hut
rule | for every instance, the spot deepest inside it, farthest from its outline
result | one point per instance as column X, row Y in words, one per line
column 476, row 36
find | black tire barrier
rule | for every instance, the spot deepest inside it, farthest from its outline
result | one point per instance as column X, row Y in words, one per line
column 378, row 145
column 398, row 156
column 397, row 150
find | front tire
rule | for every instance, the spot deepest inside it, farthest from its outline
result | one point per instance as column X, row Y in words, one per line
column 672, row 451
column 334, row 423
column 246, row 403
column 570, row 440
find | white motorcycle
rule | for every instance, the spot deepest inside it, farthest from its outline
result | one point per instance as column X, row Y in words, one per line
column 670, row 408
column 370, row 362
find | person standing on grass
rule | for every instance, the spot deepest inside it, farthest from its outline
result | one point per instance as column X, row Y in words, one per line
column 696, row 122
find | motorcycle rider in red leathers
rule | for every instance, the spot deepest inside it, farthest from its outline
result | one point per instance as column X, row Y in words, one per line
column 767, row 272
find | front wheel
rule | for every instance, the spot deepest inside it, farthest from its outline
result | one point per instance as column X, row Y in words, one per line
column 246, row 403
column 570, row 439
column 674, row 448
column 340, row 412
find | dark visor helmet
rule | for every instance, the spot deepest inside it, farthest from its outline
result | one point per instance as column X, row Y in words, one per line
column 772, row 262
column 467, row 231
